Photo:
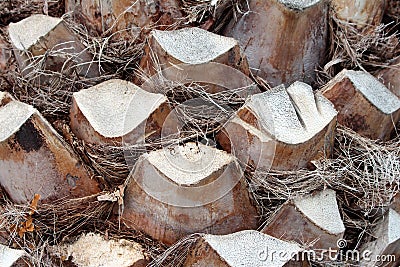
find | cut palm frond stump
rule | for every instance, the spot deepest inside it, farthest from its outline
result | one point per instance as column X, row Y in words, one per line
column 194, row 46
column 49, row 45
column 284, row 40
column 116, row 111
column 364, row 104
column 245, row 248
column 35, row 160
column 194, row 55
column 184, row 189
column 96, row 250
column 313, row 220
column 282, row 129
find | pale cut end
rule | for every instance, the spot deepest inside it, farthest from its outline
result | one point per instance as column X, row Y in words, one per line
column 193, row 45
column 115, row 107
column 322, row 209
column 393, row 233
column 27, row 32
column 245, row 248
column 12, row 116
column 291, row 115
column 93, row 250
column 189, row 164
column 9, row 256
column 364, row 104
column 299, row 4
column 374, row 91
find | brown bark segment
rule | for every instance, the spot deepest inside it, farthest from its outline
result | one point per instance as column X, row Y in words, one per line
column 5, row 54
column 284, row 41
column 396, row 203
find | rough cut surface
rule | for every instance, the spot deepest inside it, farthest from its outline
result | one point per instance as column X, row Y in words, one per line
column 194, row 45
column 28, row 32
column 92, row 250
column 299, row 4
column 116, row 107
column 189, row 164
column 202, row 56
column 291, row 115
column 12, row 117
column 322, row 209
column 245, row 248
column 9, row 256
column 393, row 227
column 374, row 91
column 208, row 198
column 364, row 104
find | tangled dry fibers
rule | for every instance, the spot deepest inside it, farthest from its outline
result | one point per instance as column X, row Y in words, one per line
column 370, row 49
column 364, row 173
